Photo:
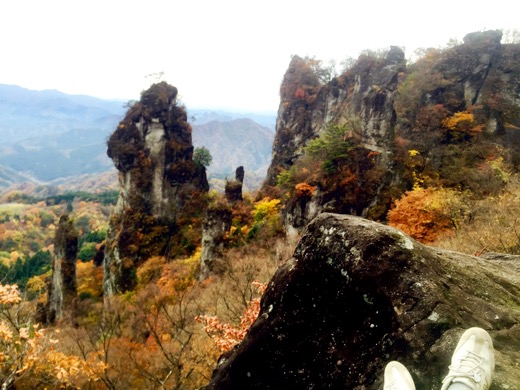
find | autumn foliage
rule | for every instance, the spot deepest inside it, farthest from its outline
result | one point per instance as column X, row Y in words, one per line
column 225, row 335
column 303, row 190
column 28, row 353
column 427, row 213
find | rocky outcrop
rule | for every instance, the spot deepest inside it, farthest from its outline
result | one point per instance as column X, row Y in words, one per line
column 362, row 100
column 215, row 229
column 216, row 226
column 364, row 95
column 233, row 189
column 62, row 286
column 357, row 294
column 390, row 109
column 295, row 123
column 161, row 187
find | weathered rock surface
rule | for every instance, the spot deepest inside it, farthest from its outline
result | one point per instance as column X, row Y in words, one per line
column 357, row 294
column 62, row 287
column 233, row 189
column 215, row 226
column 364, row 94
column 160, row 186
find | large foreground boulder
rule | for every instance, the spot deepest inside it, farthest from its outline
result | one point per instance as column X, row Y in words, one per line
column 357, row 294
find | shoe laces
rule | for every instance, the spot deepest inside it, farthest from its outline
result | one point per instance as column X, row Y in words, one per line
column 469, row 367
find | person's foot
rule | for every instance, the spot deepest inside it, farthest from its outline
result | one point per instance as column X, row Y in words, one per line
column 397, row 377
column 473, row 361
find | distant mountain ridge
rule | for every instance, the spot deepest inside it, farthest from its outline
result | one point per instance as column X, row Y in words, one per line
column 49, row 136
column 201, row 117
column 234, row 143
column 25, row 113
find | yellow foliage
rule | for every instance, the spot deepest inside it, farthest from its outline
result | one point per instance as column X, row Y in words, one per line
column 36, row 285
column 14, row 255
column 501, row 169
column 265, row 209
column 25, row 347
column 151, row 270
column 89, row 279
column 415, row 164
column 179, row 275
column 462, row 121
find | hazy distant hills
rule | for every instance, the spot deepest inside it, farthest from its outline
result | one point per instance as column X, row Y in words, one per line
column 48, row 134
column 26, row 114
column 199, row 117
column 234, row 143
column 52, row 137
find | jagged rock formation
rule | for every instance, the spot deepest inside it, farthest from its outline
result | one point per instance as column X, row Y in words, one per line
column 239, row 174
column 160, row 187
column 215, row 227
column 62, row 286
column 233, row 189
column 390, row 109
column 365, row 93
column 217, row 224
column 357, row 294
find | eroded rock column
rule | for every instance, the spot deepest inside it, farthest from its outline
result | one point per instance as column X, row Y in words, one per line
column 62, row 288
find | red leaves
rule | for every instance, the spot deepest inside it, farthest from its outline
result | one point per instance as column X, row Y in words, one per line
column 226, row 336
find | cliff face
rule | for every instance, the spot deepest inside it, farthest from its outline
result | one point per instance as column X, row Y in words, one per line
column 62, row 288
column 458, row 108
column 364, row 95
column 161, row 186
column 357, row 294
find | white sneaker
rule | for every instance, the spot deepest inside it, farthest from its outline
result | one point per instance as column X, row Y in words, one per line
column 397, row 377
column 473, row 361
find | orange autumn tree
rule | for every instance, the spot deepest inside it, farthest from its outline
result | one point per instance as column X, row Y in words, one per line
column 147, row 337
column 427, row 213
column 28, row 357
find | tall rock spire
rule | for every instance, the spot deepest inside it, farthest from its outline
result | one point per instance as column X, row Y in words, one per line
column 62, row 290
column 160, row 186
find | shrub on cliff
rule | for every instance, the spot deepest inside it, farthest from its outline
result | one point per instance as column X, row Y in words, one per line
column 202, row 156
column 427, row 213
column 331, row 147
column 338, row 167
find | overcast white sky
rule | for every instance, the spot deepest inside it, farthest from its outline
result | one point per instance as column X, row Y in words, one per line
column 219, row 53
